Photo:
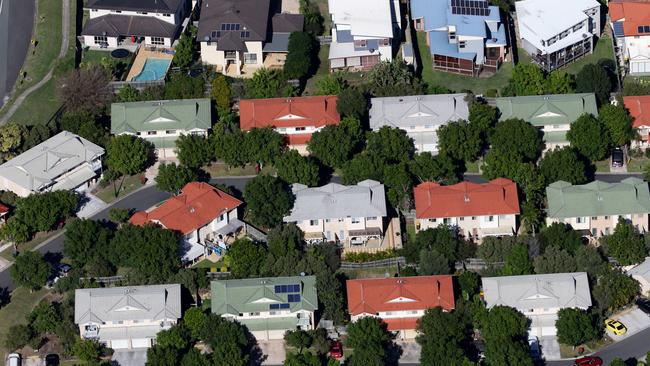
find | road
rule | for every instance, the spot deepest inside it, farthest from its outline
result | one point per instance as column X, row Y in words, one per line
column 16, row 25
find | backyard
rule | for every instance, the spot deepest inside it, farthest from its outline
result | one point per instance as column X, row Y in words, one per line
column 22, row 303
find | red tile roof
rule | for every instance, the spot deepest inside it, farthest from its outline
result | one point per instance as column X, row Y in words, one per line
column 639, row 108
column 498, row 197
column 636, row 13
column 288, row 112
column 373, row 295
column 3, row 209
column 299, row 139
column 196, row 206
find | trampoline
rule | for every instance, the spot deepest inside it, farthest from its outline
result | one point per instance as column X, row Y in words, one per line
column 120, row 53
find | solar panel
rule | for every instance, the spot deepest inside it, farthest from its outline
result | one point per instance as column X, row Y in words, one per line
column 470, row 7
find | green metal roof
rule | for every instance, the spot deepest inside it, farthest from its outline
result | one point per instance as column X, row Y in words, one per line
column 598, row 198
column 162, row 142
column 185, row 114
column 258, row 294
column 269, row 323
column 543, row 110
column 555, row 136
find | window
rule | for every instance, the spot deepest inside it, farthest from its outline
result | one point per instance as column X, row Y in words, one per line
column 594, row 218
column 250, row 58
column 606, row 231
column 135, row 321
column 384, row 42
column 432, row 220
column 606, row 217
column 170, row 132
column 213, row 34
column 462, row 219
column 372, row 218
column 361, row 43
column 411, row 127
column 118, row 11
column 257, row 313
column 461, row 44
column 577, row 27
column 555, row 127
column 245, row 34
column 118, row 322
column 143, row 12
column 564, row 34
column 313, row 222
column 327, row 220
column 594, row 232
column 446, row 221
column 160, row 41
column 271, row 313
column 301, row 128
column 490, row 219
column 580, row 220
column 101, row 39
column 452, row 36
column 355, row 220
column 473, row 218
column 152, row 133
column 294, row 297
column 167, row 15
column 428, row 127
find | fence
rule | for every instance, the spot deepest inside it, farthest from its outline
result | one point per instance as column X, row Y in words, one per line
column 388, row 262
column 104, row 280
column 117, row 85
column 477, row 264
column 255, row 233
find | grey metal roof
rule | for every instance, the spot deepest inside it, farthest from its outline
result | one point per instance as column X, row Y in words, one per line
column 115, row 25
column 543, row 291
column 366, row 199
column 417, row 110
column 97, row 305
column 154, row 6
column 287, row 23
column 250, row 15
column 39, row 166
column 642, row 270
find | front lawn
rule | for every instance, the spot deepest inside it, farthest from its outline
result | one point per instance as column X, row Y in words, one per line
column 22, row 303
column 108, row 194
column 570, row 352
column 219, row 169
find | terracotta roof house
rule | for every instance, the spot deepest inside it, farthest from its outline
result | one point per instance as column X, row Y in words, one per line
column 125, row 23
column 241, row 36
column 477, row 210
column 399, row 301
column 207, row 218
column 269, row 306
column 552, row 114
column 594, row 208
column 639, row 109
column 4, row 210
column 296, row 118
column 630, row 23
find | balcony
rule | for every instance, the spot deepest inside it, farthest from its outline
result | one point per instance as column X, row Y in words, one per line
column 91, row 332
column 552, row 61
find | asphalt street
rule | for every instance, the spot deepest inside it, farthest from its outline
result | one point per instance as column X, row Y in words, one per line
column 16, row 24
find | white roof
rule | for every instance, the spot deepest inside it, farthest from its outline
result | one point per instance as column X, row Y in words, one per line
column 363, row 17
column 544, row 291
column 642, row 270
column 417, row 110
column 366, row 199
column 39, row 166
column 543, row 19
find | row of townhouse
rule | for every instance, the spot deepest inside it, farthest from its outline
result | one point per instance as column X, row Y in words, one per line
column 131, row 317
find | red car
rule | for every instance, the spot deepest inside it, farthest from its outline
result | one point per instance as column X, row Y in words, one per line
column 588, row 361
column 336, row 349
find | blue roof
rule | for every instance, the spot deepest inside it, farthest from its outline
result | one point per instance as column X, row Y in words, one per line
column 439, row 44
column 618, row 29
column 434, row 12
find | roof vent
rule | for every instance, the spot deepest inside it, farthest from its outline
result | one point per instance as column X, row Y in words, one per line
column 466, row 198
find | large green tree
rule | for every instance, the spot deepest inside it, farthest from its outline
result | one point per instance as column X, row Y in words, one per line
column 302, row 49
column 294, row 168
column 459, row 140
column 246, row 258
column 194, row 151
column 264, row 145
column 370, row 339
column 590, row 136
column 268, row 200
column 504, row 330
column 127, row 154
column 30, row 270
column 562, row 236
column 229, row 146
column 577, row 326
column 618, row 123
column 528, row 79
column 614, row 290
column 183, row 86
column 392, row 78
column 555, row 260
column 432, row 262
column 443, row 339
column 334, row 145
column 186, row 48
column 594, row 79
column 563, row 164
column 265, row 83
column 85, row 239
column 221, row 93
column 559, row 82
column 518, row 261
column 389, row 144
column 352, row 103
column 171, row 177
column 625, row 244
column 517, row 137
column 429, row 168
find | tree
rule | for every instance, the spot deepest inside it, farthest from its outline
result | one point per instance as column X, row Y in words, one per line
column 618, row 123
column 265, row 83
column 85, row 89
column 334, row 145
column 246, row 258
column 128, row 94
column 483, row 117
column 495, row 250
column 589, row 259
column 504, row 329
column 429, row 168
column 16, row 231
column 85, row 239
column 30, row 270
column 518, row 262
column 171, row 177
column 369, row 337
column 264, row 145
column 268, row 199
column 594, row 79
column 221, row 93
column 563, row 164
column 18, row 335
column 228, row 146
column 433, row 262
column 186, row 48
column 590, row 136
column 194, row 151
column 175, row 337
column 393, row 78
column 285, row 240
column 459, row 140
column 555, row 260
column 469, row 283
column 443, row 338
column 301, row 50
column 128, row 154
column 517, row 137
column 44, row 318
column 183, row 86
column 43, row 211
column 88, row 351
column 332, row 84
column 194, row 357
column 442, row 239
column 11, row 137
column 559, row 82
column 352, row 103
column 562, row 236
column 195, row 320
column 528, row 79
column 614, row 290
column 298, row 339
column 294, row 168
column 162, row 356
column 626, row 245
column 576, row 326
column 119, row 215
column 391, row 145
column 36, row 135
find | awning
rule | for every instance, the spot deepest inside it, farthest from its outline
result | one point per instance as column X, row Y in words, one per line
column 314, row 235
column 75, row 179
column 191, row 251
column 108, row 334
column 366, row 232
column 231, row 227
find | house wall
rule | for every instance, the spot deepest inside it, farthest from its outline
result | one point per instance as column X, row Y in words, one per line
column 641, row 64
column 339, row 228
column 254, row 48
column 473, row 225
column 602, row 225
column 128, row 324
column 212, row 55
column 274, row 333
column 90, row 41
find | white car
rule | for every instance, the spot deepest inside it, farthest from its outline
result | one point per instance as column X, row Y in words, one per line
column 14, row 359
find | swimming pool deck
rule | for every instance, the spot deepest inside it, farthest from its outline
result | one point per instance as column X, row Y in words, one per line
column 141, row 58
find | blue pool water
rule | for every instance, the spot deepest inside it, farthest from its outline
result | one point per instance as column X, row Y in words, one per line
column 154, row 69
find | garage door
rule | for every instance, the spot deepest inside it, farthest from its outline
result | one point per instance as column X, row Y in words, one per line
column 276, row 334
column 141, row 343
column 120, row 344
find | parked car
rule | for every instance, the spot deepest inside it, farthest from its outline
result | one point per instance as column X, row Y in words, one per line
column 14, row 359
column 617, row 158
column 535, row 352
column 644, row 305
column 615, row 326
column 52, row 360
column 336, row 349
column 64, row 269
column 588, row 361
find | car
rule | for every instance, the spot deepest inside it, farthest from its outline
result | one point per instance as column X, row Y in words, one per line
column 63, row 269
column 644, row 305
column 615, row 326
column 618, row 157
column 336, row 349
column 533, row 342
column 14, row 359
column 588, row 361
column 52, row 360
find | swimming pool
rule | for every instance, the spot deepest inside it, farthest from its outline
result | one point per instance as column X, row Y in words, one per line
column 154, row 69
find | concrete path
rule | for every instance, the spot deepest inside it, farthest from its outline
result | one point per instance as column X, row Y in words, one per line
column 92, row 206
column 64, row 48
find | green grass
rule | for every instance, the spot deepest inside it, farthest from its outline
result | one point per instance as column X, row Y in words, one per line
column 410, row 232
column 222, row 170
column 39, row 107
column 472, row 167
column 590, row 347
column 22, row 303
column 459, row 82
column 204, row 263
column 370, row 272
column 602, row 166
column 638, row 164
column 604, row 50
column 107, row 194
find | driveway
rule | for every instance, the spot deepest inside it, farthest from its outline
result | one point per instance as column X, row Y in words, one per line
column 410, row 351
column 273, row 351
column 634, row 320
column 550, row 348
column 90, row 206
column 136, row 357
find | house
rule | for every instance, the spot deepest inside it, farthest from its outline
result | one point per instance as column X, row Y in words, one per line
column 62, row 162
column 161, row 122
column 296, row 118
column 641, row 273
column 419, row 115
column 117, row 23
column 556, row 32
column 594, row 208
column 364, row 32
column 126, row 317
column 630, row 23
column 464, row 37
column 353, row 215
column 552, row 114
column 207, row 217
column 4, row 211
column 269, row 306
column 241, row 36
column 539, row 297
column 399, row 301
column 639, row 109
column 477, row 210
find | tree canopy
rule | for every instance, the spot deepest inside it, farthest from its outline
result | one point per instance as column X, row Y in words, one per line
column 517, row 137
column 302, row 49
column 577, row 326
column 194, row 151
column 614, row 290
column 429, row 168
column 128, row 154
column 443, row 338
column 555, row 260
column 504, row 330
column 459, row 140
column 171, row 177
column 294, row 168
column 370, row 339
column 352, row 103
column 625, row 244
column 590, row 136
column 594, row 79
column 563, row 164
column 265, row 83
column 268, row 200
column 618, row 123
column 85, row 240
column 30, row 270
column 393, row 78
column 334, row 145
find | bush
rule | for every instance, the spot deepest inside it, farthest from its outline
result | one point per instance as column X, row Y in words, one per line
column 362, row 257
